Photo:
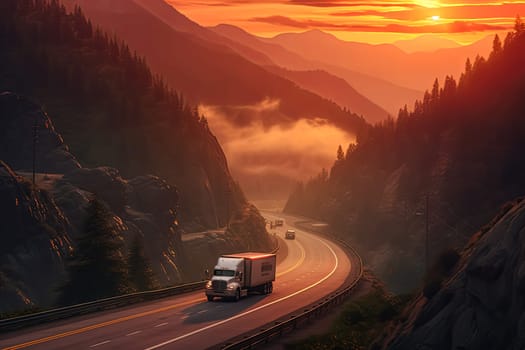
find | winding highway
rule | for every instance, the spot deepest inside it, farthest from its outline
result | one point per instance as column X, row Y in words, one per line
column 312, row 268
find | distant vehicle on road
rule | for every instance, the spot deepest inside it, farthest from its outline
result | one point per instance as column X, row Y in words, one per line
column 235, row 275
column 290, row 234
column 279, row 222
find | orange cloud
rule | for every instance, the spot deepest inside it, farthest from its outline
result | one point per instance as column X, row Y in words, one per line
column 453, row 27
column 389, row 20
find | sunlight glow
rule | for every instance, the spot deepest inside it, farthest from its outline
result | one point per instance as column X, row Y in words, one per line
column 378, row 21
column 427, row 3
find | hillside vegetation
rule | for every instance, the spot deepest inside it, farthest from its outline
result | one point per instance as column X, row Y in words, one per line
column 460, row 147
column 110, row 108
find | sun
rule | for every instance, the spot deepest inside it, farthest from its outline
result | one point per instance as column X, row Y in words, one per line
column 435, row 18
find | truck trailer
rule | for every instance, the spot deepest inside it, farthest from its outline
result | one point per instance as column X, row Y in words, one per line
column 236, row 275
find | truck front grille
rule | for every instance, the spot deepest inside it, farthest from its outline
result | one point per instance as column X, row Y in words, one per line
column 219, row 285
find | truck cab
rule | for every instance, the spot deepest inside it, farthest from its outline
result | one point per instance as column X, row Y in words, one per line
column 226, row 280
column 236, row 275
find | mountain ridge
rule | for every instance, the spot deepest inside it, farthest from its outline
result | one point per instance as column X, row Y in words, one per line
column 386, row 94
column 416, row 70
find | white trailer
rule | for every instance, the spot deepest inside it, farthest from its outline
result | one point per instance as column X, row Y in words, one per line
column 236, row 275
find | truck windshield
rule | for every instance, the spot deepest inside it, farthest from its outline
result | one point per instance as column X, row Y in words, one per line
column 224, row 273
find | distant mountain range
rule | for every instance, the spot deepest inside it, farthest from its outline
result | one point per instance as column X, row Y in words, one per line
column 306, row 76
column 202, row 66
column 225, row 78
column 389, row 75
column 384, row 73
column 427, row 42
column 415, row 71
column 296, row 66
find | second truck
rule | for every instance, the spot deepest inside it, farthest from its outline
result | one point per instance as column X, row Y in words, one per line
column 236, row 275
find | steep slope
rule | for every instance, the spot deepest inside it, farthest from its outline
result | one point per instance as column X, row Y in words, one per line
column 179, row 22
column 448, row 165
column 481, row 305
column 331, row 87
column 415, row 71
column 37, row 142
column 41, row 223
column 232, row 92
column 209, row 73
column 34, row 243
column 113, row 112
column 384, row 93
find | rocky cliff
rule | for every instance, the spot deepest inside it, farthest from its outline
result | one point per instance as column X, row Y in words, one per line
column 27, row 133
column 482, row 305
column 39, row 223
column 110, row 107
column 34, row 242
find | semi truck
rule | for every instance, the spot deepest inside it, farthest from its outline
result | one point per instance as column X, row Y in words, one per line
column 236, row 275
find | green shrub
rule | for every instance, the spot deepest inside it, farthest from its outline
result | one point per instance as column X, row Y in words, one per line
column 360, row 322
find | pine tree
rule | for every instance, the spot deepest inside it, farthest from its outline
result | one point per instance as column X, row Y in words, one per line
column 141, row 275
column 96, row 270
column 496, row 45
column 519, row 26
column 340, row 153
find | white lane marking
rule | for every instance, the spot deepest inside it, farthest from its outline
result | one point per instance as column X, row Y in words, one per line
column 101, row 343
column 184, row 317
column 202, row 311
column 253, row 310
column 133, row 333
column 161, row 324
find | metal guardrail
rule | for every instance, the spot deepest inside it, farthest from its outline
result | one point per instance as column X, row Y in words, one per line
column 10, row 324
column 98, row 305
column 265, row 335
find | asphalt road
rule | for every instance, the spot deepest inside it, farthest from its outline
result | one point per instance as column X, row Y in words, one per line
column 312, row 268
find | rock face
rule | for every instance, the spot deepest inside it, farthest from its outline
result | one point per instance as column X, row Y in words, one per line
column 40, row 223
column 38, row 227
column 34, row 241
column 144, row 206
column 482, row 305
column 23, row 122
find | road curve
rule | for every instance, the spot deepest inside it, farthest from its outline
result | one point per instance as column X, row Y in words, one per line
column 313, row 268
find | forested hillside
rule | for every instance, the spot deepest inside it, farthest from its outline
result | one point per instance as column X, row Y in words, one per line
column 206, row 69
column 143, row 168
column 110, row 108
column 460, row 147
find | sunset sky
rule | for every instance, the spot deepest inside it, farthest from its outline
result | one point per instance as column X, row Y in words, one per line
column 368, row 21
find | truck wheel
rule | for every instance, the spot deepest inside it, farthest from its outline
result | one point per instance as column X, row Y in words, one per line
column 270, row 288
column 210, row 297
column 237, row 295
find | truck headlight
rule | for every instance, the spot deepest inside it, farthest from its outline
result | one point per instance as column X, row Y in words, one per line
column 208, row 284
column 231, row 286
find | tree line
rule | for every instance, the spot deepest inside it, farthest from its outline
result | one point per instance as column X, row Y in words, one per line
column 460, row 145
column 104, row 99
column 97, row 268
